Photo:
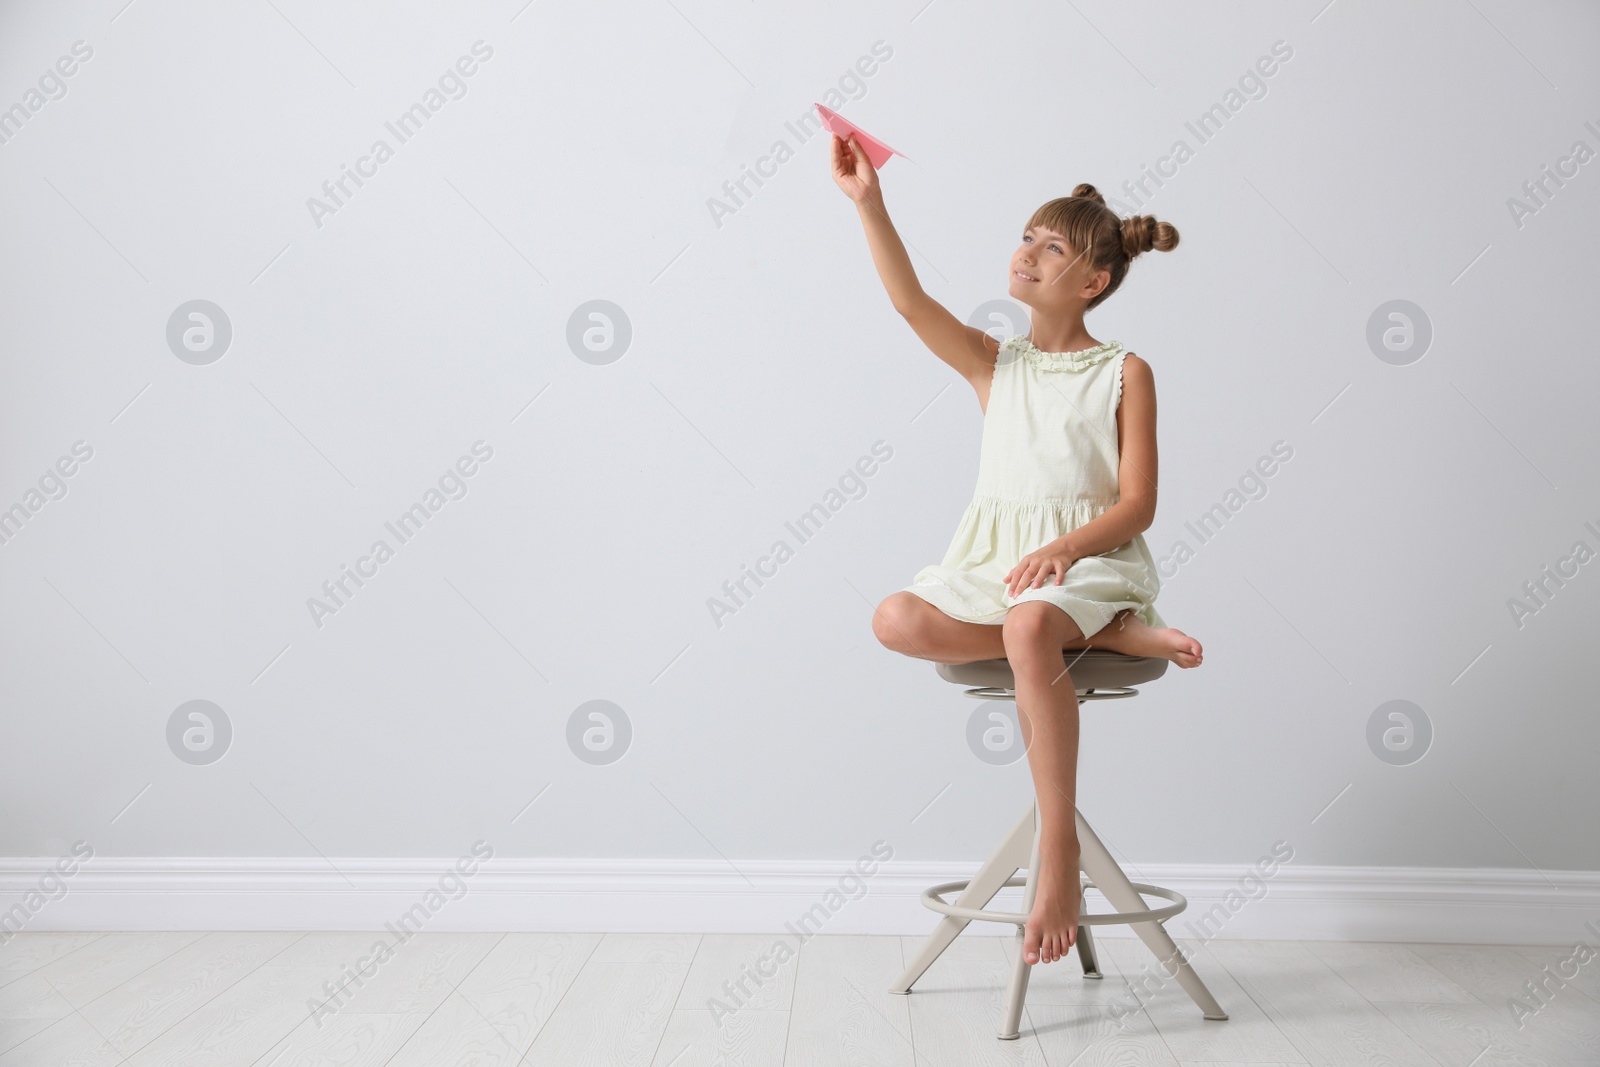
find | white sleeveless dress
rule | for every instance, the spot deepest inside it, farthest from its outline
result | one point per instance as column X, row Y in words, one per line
column 1048, row 465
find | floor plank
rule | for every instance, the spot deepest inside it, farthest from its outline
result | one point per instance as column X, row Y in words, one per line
column 239, row 1025
column 1321, row 1015
column 458, row 1033
column 1388, row 972
column 1491, row 973
column 1469, row 1033
column 1089, row 1035
column 68, row 1042
column 29, row 951
column 496, row 1011
column 842, row 1014
column 110, row 961
column 700, row 1038
column 28, row 1006
column 1563, row 1020
column 1247, row 1035
column 350, row 1039
column 1566, row 965
column 646, row 948
column 415, row 977
column 161, row 996
column 614, row 1015
column 735, row 972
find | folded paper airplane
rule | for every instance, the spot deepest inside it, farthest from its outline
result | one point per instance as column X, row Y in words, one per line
column 878, row 153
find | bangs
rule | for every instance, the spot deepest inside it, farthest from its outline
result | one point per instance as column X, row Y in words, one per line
column 1078, row 219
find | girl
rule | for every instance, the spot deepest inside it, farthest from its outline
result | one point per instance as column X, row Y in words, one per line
column 1050, row 554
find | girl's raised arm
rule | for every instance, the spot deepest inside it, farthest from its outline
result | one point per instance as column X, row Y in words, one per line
column 969, row 350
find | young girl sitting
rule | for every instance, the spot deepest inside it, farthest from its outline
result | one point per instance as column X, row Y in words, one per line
column 1050, row 554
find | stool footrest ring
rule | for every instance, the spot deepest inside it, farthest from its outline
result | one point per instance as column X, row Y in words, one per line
column 994, row 692
column 933, row 898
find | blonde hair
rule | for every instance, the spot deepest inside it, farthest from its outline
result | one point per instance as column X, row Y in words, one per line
column 1097, row 234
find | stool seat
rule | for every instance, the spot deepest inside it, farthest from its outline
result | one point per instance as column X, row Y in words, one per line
column 1091, row 668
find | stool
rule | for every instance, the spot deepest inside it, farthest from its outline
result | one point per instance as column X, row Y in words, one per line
column 1097, row 674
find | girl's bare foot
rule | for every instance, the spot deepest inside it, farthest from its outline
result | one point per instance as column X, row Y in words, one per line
column 1130, row 635
column 1052, row 926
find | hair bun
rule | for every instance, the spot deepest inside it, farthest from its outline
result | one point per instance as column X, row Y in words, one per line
column 1141, row 233
column 1089, row 192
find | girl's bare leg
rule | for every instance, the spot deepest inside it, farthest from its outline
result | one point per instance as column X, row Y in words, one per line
column 1132, row 636
column 1034, row 634
column 906, row 623
column 1032, row 638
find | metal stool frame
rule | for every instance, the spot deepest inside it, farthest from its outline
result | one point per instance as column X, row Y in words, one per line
column 1021, row 848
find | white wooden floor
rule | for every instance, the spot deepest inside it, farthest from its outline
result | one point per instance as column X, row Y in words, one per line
column 237, row 999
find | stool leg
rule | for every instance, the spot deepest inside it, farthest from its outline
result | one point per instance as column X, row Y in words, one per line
column 990, row 879
column 1020, row 967
column 1086, row 956
column 1107, row 876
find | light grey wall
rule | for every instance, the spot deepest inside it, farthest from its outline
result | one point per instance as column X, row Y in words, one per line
column 372, row 347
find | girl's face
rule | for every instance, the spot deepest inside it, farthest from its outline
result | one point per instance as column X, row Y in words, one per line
column 1047, row 272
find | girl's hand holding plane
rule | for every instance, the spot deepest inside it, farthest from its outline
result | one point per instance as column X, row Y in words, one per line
column 852, row 170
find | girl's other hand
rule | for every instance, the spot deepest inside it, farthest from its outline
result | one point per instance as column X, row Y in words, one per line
column 852, row 170
column 1037, row 568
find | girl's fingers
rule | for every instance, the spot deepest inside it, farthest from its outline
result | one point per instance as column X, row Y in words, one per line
column 860, row 155
column 1022, row 577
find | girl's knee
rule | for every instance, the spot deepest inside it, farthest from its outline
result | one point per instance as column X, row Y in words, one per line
column 896, row 621
column 1034, row 626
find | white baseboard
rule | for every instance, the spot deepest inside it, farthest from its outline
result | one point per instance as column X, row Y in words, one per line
column 1467, row 905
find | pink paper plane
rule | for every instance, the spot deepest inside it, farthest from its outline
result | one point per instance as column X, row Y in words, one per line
column 878, row 153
